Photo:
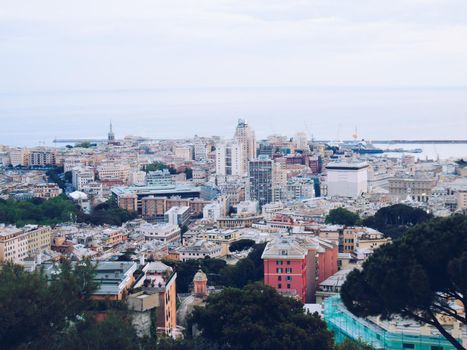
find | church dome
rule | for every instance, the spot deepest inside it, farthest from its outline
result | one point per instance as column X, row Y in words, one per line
column 200, row 276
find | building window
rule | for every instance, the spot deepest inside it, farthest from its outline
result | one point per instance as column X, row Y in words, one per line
column 278, row 262
column 288, row 262
column 279, row 270
column 288, row 278
column 279, row 278
column 408, row 346
column 288, row 286
column 279, row 286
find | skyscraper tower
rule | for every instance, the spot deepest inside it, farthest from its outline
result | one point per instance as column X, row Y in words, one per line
column 260, row 173
column 245, row 135
column 111, row 135
column 229, row 159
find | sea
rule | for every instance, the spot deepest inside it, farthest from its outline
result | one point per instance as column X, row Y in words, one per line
column 34, row 118
column 428, row 150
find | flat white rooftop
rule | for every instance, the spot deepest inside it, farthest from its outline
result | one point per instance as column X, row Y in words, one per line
column 347, row 165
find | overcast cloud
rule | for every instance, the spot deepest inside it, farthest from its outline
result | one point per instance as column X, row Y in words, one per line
column 101, row 44
column 394, row 69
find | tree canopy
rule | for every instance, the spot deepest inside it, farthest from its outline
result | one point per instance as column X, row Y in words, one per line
column 115, row 332
column 85, row 144
column 58, row 313
column 186, row 271
column 418, row 276
column 54, row 175
column 107, row 213
column 241, row 244
column 37, row 313
column 189, row 173
column 37, row 211
column 32, row 310
column 245, row 271
column 159, row 166
column 58, row 210
column 394, row 220
column 342, row 216
column 461, row 162
column 257, row 317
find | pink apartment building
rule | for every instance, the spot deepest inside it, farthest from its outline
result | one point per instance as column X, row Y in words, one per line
column 285, row 267
column 295, row 267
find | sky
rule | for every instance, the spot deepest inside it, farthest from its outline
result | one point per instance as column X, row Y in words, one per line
column 63, row 60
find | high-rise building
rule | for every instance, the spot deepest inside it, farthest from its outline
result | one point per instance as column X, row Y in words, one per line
column 200, row 149
column 245, row 135
column 111, row 135
column 265, row 149
column 81, row 177
column 300, row 188
column 300, row 141
column 137, row 178
column 260, row 173
column 230, row 159
column 178, row 215
column 19, row 156
column 347, row 179
column 279, row 182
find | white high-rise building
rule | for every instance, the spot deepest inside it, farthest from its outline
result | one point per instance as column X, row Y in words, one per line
column 347, row 179
column 229, row 159
column 212, row 211
column 200, row 149
column 137, row 178
column 81, row 177
column 300, row 141
column 245, row 135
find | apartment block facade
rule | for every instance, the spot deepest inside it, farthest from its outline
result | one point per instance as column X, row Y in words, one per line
column 17, row 244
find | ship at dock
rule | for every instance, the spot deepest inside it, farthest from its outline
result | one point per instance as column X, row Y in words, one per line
column 364, row 147
column 359, row 147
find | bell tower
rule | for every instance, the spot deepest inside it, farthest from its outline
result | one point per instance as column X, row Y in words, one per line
column 111, row 135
